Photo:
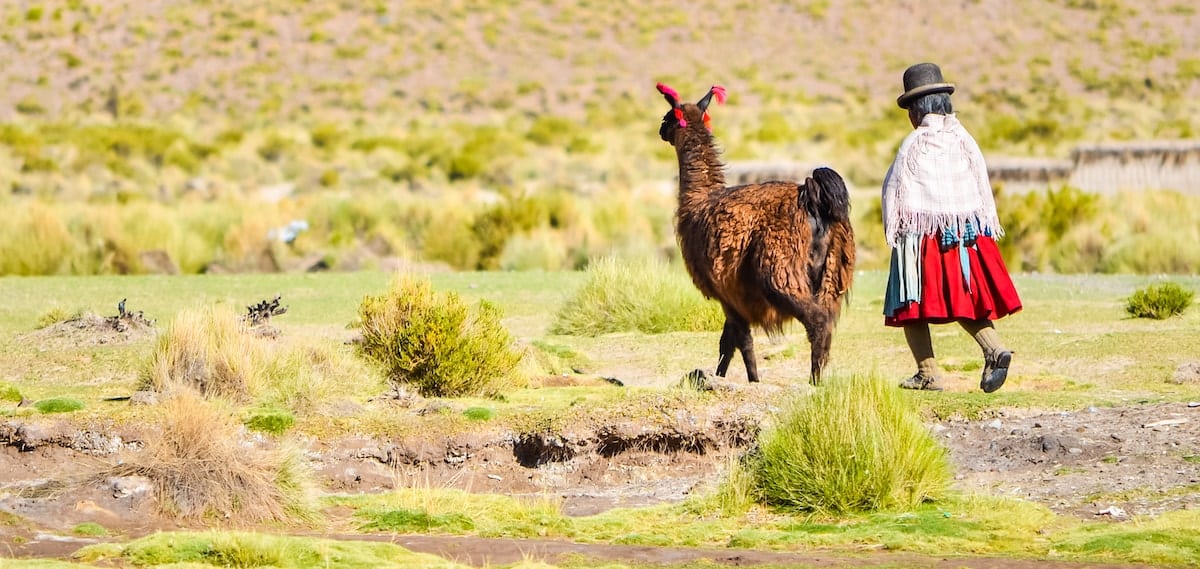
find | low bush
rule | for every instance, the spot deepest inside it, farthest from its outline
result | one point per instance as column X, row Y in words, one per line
column 855, row 445
column 646, row 296
column 434, row 342
column 1159, row 301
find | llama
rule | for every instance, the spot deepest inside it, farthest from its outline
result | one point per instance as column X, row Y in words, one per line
column 767, row 251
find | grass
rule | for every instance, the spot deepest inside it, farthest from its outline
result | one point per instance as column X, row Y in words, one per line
column 857, row 444
column 200, row 467
column 1074, row 346
column 648, row 297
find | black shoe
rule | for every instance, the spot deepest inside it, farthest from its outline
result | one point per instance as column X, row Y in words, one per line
column 920, row 382
column 995, row 371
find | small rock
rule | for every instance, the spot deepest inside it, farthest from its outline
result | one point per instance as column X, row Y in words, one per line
column 1114, row 511
column 1187, row 372
column 125, row 486
column 1193, row 404
column 145, row 397
column 1116, row 437
column 1075, row 450
column 495, row 477
column 995, row 424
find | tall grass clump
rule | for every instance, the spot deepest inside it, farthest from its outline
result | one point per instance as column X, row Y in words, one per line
column 435, row 342
column 207, row 350
column 1159, row 301
column 636, row 296
column 303, row 378
column 855, row 445
column 200, row 465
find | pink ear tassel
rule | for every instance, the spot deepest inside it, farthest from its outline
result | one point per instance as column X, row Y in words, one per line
column 668, row 91
column 719, row 92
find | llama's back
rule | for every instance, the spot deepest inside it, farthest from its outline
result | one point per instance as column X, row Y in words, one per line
column 740, row 237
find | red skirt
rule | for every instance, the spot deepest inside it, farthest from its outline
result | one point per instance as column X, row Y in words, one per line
column 945, row 297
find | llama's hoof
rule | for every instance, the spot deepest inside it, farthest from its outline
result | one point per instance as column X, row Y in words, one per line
column 995, row 371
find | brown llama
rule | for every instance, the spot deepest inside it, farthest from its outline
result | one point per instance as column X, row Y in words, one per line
column 768, row 251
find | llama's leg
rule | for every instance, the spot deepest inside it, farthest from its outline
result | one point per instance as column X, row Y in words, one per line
column 727, row 347
column 820, row 339
column 818, row 323
column 745, row 343
column 736, row 335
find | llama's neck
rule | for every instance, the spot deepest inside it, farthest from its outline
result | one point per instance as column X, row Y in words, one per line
column 701, row 172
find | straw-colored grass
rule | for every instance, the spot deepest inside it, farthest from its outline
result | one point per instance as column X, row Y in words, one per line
column 208, row 350
column 202, row 465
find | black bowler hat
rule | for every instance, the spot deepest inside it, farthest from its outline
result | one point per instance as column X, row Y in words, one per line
column 922, row 79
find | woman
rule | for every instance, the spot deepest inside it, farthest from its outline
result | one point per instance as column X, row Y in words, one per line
column 940, row 220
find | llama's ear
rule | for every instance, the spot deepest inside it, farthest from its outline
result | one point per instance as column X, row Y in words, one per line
column 670, row 94
column 716, row 90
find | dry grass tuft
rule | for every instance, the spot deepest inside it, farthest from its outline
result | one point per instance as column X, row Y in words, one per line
column 201, row 465
column 207, row 350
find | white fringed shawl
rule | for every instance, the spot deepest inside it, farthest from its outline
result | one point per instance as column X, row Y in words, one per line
column 938, row 181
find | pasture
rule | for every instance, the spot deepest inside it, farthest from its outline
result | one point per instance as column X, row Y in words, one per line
column 1085, row 374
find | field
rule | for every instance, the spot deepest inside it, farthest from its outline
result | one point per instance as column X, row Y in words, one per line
column 186, row 160
column 1095, row 416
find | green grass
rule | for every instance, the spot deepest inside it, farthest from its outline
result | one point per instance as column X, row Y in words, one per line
column 648, row 297
column 58, row 405
column 856, row 444
column 238, row 549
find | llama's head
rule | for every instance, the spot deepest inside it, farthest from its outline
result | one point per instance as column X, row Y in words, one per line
column 683, row 115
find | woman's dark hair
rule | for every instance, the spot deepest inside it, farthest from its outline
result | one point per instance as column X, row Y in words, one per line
column 933, row 103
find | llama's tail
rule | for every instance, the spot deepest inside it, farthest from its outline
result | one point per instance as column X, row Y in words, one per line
column 828, row 204
column 828, row 199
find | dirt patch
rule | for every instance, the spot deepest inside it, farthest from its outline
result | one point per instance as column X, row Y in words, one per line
column 1097, row 464
column 90, row 329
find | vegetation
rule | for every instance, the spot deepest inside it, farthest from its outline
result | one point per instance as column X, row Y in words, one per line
column 855, row 445
column 58, row 405
column 639, row 296
column 207, row 350
column 1130, row 353
column 1159, row 301
column 434, row 342
column 200, row 466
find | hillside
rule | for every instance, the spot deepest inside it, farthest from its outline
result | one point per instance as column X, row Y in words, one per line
column 153, row 102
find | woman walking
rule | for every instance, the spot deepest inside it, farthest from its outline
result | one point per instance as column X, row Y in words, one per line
column 940, row 220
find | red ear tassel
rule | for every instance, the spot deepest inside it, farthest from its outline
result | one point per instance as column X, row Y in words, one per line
column 719, row 92
column 667, row 91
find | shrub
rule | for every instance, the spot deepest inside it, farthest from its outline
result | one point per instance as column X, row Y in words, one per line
column 200, row 465
column 1159, row 301
column 434, row 342
column 646, row 296
column 854, row 445
column 207, row 350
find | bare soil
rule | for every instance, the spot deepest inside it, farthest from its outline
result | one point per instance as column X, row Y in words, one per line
column 1103, row 463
